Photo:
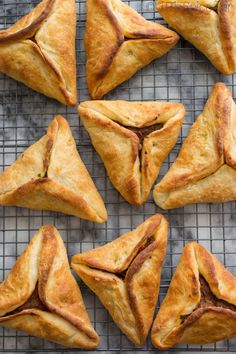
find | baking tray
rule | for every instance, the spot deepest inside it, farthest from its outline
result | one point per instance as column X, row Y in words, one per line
column 183, row 75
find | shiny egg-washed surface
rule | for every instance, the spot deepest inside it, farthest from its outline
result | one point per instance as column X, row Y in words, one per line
column 183, row 75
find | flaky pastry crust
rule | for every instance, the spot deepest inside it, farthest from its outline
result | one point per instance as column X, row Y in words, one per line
column 205, row 169
column 125, row 275
column 210, row 25
column 200, row 305
column 50, row 175
column 39, row 50
column 41, row 297
column 133, row 139
column 118, row 43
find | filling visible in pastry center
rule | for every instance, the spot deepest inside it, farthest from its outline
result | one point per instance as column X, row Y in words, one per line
column 208, row 299
column 33, row 39
column 148, row 242
column 144, row 131
column 33, row 302
column 133, row 264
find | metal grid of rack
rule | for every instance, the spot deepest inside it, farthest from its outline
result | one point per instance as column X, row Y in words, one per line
column 182, row 75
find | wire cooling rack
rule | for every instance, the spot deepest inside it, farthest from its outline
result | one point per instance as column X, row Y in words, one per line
column 182, row 75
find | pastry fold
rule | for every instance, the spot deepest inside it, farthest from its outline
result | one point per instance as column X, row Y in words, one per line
column 41, row 297
column 50, row 175
column 118, row 43
column 133, row 139
column 39, row 50
column 205, row 169
column 200, row 305
column 125, row 275
column 210, row 25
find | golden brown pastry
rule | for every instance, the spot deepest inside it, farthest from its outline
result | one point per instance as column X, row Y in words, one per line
column 133, row 139
column 210, row 25
column 205, row 169
column 39, row 50
column 200, row 305
column 125, row 275
column 41, row 297
column 118, row 43
column 50, row 175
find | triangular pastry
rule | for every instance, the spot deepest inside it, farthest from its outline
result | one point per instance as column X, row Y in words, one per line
column 41, row 297
column 118, row 43
column 50, row 175
column 205, row 169
column 39, row 50
column 133, row 139
column 125, row 275
column 210, row 25
column 200, row 305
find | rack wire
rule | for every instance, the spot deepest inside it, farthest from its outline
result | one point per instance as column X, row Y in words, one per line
column 182, row 75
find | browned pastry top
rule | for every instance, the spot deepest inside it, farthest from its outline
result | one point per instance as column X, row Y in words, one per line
column 208, row 24
column 118, row 43
column 133, row 139
column 50, row 175
column 41, row 297
column 39, row 50
column 200, row 305
column 18, row 31
column 205, row 168
column 125, row 275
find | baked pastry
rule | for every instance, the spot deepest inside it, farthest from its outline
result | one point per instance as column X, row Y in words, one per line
column 208, row 24
column 205, row 169
column 39, row 50
column 133, row 139
column 118, row 43
column 200, row 305
column 50, row 175
column 41, row 297
column 125, row 275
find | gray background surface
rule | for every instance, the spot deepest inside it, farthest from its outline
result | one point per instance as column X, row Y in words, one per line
column 182, row 75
